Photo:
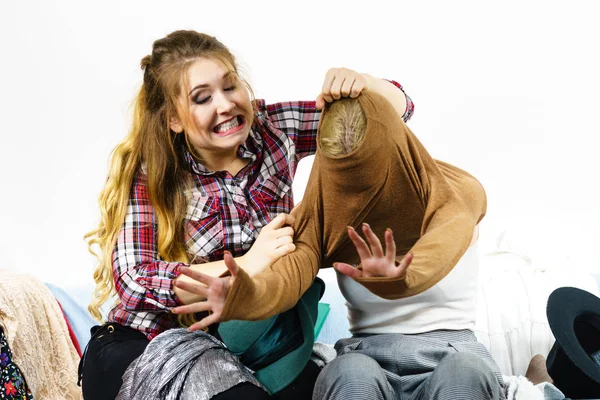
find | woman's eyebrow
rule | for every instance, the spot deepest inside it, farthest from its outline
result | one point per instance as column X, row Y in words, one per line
column 204, row 85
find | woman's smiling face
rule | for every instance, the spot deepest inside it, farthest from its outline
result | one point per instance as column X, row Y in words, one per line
column 220, row 111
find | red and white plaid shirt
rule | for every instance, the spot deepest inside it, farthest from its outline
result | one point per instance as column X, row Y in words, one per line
column 224, row 212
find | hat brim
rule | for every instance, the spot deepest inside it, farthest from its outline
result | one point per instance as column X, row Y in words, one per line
column 566, row 308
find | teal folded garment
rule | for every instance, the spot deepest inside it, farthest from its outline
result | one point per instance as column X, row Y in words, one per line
column 277, row 348
column 323, row 311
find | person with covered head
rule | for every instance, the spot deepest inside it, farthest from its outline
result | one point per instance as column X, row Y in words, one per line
column 205, row 173
column 412, row 304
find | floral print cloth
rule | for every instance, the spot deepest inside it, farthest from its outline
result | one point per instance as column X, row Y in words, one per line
column 12, row 383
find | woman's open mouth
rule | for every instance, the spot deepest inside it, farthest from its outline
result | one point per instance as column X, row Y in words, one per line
column 230, row 126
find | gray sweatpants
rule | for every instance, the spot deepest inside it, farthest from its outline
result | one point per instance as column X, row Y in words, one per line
column 444, row 365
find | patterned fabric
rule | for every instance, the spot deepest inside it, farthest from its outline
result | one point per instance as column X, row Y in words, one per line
column 400, row 366
column 36, row 331
column 12, row 382
column 224, row 212
column 183, row 365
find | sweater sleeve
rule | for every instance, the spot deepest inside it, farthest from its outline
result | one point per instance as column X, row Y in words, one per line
column 456, row 202
column 278, row 288
column 435, row 254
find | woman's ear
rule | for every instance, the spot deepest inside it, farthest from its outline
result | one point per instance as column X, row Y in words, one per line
column 175, row 125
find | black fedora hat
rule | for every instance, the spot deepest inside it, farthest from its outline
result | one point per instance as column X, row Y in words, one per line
column 574, row 360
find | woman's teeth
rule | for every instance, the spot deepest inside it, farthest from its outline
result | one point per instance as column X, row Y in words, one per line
column 224, row 127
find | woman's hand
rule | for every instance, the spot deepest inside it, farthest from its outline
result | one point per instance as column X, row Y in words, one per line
column 341, row 82
column 214, row 290
column 374, row 262
column 275, row 240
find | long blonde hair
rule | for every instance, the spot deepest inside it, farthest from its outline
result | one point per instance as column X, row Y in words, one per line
column 152, row 144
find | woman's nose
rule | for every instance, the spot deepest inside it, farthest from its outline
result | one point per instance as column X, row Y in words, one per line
column 224, row 104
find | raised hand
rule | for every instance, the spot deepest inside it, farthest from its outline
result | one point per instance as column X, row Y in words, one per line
column 341, row 82
column 373, row 260
column 214, row 289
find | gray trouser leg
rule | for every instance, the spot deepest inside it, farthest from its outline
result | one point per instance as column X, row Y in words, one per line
column 461, row 376
column 353, row 376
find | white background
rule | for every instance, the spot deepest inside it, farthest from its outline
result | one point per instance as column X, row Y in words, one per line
column 508, row 91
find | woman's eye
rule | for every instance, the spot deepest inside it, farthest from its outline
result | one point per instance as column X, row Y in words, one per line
column 201, row 100
column 230, row 88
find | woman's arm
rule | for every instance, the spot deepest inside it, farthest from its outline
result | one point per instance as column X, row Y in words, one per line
column 142, row 279
column 145, row 282
column 274, row 241
column 390, row 91
column 299, row 120
column 271, row 292
column 343, row 82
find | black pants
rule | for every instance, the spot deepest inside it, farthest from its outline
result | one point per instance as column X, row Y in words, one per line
column 113, row 347
column 108, row 354
column 300, row 389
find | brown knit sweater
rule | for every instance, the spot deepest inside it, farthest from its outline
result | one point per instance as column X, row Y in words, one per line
column 389, row 181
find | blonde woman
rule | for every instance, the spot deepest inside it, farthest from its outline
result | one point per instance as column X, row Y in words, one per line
column 205, row 173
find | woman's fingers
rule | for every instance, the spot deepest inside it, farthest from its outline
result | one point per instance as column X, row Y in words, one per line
column 289, row 219
column 197, row 276
column 283, row 232
column 328, row 98
column 346, row 88
column 192, row 287
column 348, row 270
column 215, row 293
column 326, row 88
column 361, row 247
column 390, row 246
column 404, row 264
column 196, row 307
column 336, row 87
column 282, row 241
column 231, row 265
column 357, row 88
column 204, row 323
column 320, row 102
column 281, row 220
column 283, row 250
column 338, row 83
column 329, row 77
column 373, row 240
